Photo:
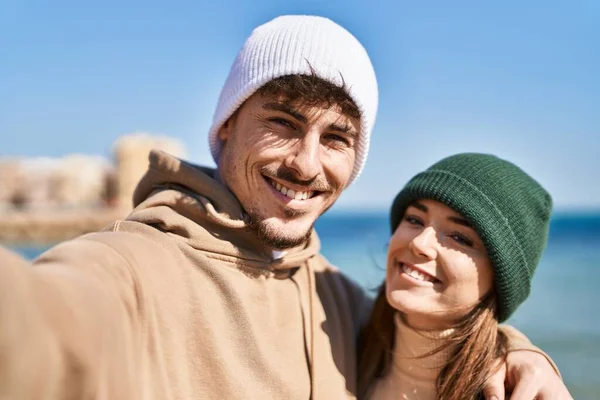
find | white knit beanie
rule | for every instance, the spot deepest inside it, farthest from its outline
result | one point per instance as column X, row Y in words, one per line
column 301, row 45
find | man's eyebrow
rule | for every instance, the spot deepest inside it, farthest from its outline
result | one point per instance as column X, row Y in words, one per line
column 288, row 109
column 460, row 221
column 346, row 129
column 285, row 108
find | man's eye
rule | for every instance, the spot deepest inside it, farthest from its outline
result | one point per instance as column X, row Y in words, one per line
column 337, row 139
column 282, row 122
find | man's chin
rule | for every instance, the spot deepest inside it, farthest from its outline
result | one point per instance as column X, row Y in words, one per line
column 280, row 235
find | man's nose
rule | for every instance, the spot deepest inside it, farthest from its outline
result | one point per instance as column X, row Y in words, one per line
column 304, row 158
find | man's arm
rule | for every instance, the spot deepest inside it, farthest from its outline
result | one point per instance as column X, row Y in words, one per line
column 517, row 341
column 68, row 323
column 528, row 373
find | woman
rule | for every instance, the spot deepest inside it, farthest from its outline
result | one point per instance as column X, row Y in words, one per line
column 467, row 236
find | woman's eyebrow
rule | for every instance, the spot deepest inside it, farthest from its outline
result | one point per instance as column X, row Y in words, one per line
column 460, row 221
column 419, row 206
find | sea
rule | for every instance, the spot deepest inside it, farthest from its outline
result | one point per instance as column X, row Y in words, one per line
column 561, row 315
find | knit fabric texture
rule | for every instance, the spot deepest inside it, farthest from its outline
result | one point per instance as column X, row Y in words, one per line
column 301, row 45
column 507, row 208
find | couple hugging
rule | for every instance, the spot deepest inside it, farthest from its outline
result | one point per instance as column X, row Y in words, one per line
column 214, row 287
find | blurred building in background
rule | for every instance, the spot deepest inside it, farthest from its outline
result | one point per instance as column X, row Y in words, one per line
column 131, row 159
column 46, row 200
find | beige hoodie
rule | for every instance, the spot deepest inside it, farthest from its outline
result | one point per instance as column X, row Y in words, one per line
column 178, row 301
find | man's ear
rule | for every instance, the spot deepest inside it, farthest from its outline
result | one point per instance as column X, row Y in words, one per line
column 225, row 129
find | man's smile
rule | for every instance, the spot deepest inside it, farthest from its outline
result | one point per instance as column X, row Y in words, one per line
column 292, row 195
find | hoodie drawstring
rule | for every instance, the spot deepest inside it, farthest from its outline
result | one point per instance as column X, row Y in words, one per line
column 311, row 289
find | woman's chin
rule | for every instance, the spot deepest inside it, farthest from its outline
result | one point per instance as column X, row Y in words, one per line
column 406, row 302
column 418, row 311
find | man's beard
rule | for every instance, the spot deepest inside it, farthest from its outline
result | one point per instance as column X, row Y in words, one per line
column 277, row 238
column 274, row 238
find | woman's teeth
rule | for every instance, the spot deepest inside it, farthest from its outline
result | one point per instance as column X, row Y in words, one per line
column 415, row 274
column 291, row 193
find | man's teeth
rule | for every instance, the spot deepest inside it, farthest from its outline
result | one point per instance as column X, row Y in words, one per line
column 291, row 193
column 415, row 274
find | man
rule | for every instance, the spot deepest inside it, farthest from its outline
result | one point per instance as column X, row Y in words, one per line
column 214, row 287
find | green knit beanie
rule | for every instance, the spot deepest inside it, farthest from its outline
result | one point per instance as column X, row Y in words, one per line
column 507, row 208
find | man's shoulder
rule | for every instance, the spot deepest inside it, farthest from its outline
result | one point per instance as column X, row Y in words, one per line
column 340, row 294
column 335, row 278
column 322, row 264
column 133, row 241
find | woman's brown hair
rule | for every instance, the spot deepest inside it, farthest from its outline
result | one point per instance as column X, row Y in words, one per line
column 479, row 345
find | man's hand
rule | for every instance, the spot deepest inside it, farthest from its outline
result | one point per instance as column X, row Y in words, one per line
column 527, row 375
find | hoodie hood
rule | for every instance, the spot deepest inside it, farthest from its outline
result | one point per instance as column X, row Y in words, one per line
column 187, row 202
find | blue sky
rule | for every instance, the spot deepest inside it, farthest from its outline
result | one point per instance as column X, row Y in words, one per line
column 517, row 79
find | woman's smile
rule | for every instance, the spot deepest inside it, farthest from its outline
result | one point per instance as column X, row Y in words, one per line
column 415, row 274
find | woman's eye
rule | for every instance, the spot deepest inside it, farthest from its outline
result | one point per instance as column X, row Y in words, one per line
column 412, row 220
column 461, row 239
